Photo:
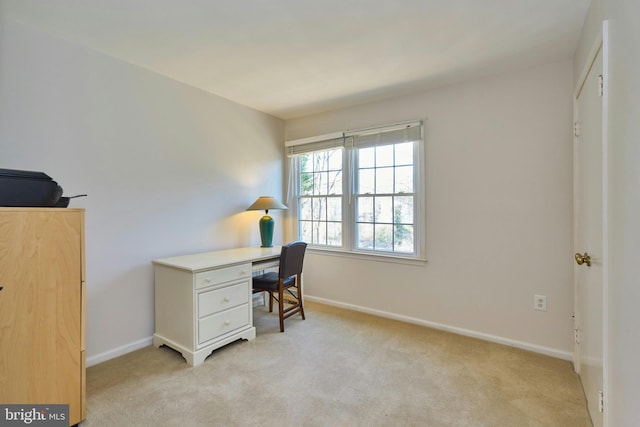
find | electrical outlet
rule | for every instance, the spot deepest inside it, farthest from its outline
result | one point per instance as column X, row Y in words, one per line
column 540, row 302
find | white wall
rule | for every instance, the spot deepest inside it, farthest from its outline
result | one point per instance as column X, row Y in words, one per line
column 169, row 169
column 624, row 280
column 591, row 27
column 499, row 211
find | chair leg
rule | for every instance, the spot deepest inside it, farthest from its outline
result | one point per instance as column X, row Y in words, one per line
column 270, row 302
column 299, row 285
column 281, row 304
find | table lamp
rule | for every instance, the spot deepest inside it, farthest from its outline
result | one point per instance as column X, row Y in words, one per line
column 266, row 222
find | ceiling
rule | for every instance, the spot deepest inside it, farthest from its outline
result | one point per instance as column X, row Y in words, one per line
column 291, row 58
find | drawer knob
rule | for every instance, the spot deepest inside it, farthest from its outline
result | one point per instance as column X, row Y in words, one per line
column 226, row 299
column 227, row 323
column 207, row 280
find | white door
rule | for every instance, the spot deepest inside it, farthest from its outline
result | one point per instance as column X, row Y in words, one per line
column 589, row 202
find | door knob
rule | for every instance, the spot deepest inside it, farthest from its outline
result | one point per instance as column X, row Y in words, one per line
column 583, row 259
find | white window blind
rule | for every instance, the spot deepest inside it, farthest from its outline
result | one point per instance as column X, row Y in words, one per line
column 310, row 145
column 387, row 135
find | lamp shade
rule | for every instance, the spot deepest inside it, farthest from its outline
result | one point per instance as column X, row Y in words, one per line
column 266, row 222
column 264, row 203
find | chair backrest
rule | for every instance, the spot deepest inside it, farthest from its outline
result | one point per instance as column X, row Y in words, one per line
column 291, row 259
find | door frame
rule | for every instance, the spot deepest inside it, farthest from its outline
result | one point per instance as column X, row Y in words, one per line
column 601, row 43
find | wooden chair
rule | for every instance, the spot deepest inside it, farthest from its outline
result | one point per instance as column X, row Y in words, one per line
column 288, row 278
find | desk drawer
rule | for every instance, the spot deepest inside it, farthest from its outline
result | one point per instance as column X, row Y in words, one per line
column 222, row 275
column 220, row 323
column 220, row 299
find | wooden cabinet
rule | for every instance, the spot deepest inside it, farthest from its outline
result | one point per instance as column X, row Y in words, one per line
column 42, row 275
column 198, row 311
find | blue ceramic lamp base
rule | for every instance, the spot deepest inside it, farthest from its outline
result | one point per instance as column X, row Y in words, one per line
column 266, row 231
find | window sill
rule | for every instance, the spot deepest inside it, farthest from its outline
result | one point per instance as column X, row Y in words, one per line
column 366, row 256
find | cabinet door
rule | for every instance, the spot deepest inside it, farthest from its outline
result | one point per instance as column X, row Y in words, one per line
column 40, row 308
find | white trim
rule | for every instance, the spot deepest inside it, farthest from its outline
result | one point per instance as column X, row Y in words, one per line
column 367, row 255
column 384, row 128
column 605, row 224
column 364, row 131
column 119, row 351
column 559, row 354
column 312, row 139
column 145, row 342
column 576, row 221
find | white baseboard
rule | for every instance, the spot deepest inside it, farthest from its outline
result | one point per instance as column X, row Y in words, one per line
column 128, row 348
column 111, row 354
column 559, row 354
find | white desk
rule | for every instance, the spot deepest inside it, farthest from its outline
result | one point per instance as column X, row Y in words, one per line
column 203, row 301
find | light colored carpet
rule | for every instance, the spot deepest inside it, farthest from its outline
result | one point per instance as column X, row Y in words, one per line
column 338, row 368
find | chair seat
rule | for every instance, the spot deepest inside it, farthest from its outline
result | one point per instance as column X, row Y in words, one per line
column 269, row 281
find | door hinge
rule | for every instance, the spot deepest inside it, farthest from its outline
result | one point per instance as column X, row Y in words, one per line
column 600, row 401
column 576, row 129
column 576, row 335
column 600, row 85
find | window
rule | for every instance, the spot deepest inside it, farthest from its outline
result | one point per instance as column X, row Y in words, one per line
column 320, row 201
column 384, row 198
column 359, row 191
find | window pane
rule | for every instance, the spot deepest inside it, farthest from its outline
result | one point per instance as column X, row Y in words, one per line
column 306, row 234
column 305, row 208
column 404, row 179
column 335, row 160
column 403, row 210
column 321, row 161
column 404, row 153
column 321, row 232
column 335, row 182
column 334, row 209
column 306, row 163
column 384, row 209
column 384, row 156
column 366, row 157
column 403, row 238
column 334, row 234
column 320, row 183
column 319, row 209
column 365, row 236
column 306, row 183
column 365, row 209
column 384, row 180
column 366, row 183
column 384, row 237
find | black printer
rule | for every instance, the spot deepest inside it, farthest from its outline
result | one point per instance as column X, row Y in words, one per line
column 20, row 188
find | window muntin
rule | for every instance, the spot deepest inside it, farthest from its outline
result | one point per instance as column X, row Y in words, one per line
column 361, row 193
